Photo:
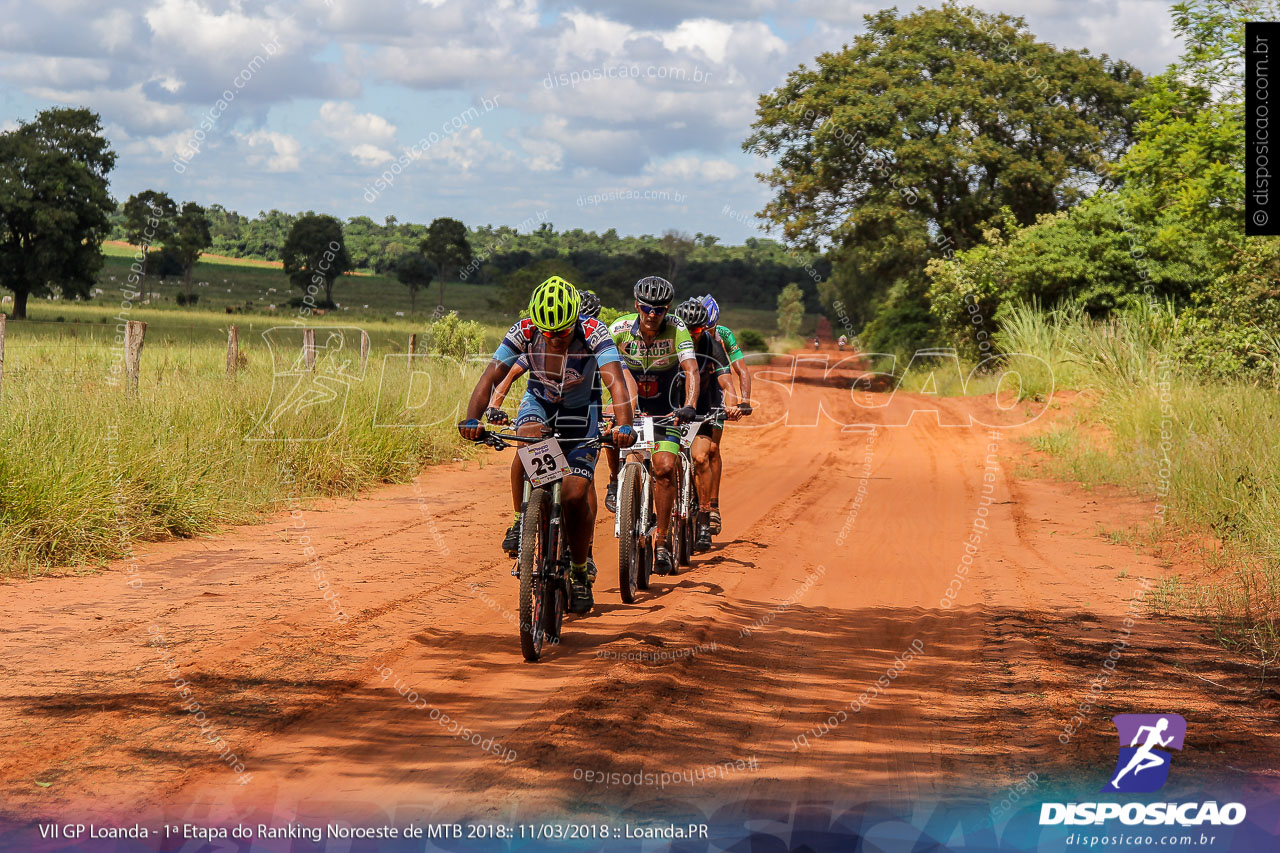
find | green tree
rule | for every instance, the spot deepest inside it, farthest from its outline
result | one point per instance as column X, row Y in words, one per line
column 790, row 310
column 517, row 287
column 54, row 206
column 414, row 271
column 447, row 247
column 315, row 255
column 148, row 221
column 909, row 141
column 191, row 236
column 676, row 245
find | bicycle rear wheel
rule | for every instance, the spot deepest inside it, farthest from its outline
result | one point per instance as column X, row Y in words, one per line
column 629, row 533
column 535, row 531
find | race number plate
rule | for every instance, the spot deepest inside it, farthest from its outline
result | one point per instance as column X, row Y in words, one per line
column 689, row 432
column 544, row 462
column 645, row 431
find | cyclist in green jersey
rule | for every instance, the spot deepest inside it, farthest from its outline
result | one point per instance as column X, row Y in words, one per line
column 656, row 348
column 743, row 377
column 715, row 393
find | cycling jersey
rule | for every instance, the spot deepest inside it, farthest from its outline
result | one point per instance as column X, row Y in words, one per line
column 730, row 342
column 590, row 349
column 656, row 364
column 713, row 362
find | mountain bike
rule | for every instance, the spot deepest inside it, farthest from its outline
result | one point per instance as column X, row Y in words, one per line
column 542, row 563
column 636, row 517
column 689, row 502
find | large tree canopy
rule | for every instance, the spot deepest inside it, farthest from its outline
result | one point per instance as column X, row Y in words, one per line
column 54, row 205
column 944, row 115
column 909, row 141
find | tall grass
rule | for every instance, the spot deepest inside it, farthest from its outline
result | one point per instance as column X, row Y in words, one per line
column 1207, row 452
column 87, row 467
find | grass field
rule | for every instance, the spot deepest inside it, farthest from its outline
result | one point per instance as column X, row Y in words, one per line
column 1206, row 452
column 88, row 468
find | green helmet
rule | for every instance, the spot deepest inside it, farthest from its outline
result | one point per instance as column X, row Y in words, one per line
column 554, row 305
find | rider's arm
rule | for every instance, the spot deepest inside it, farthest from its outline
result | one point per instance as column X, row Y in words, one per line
column 500, row 392
column 617, row 379
column 744, row 379
column 688, row 364
column 493, row 374
column 726, row 385
column 514, row 343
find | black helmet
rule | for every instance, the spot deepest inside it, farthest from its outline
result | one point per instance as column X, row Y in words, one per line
column 589, row 306
column 654, row 290
column 694, row 313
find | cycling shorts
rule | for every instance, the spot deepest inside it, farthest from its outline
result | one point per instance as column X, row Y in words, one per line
column 582, row 422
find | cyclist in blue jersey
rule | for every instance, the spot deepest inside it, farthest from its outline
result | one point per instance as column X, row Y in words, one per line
column 564, row 353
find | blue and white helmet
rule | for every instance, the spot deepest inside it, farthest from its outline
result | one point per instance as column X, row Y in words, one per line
column 712, row 308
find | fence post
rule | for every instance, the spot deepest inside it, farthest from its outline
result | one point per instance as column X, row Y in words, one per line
column 2, row 321
column 134, row 332
column 309, row 348
column 233, row 351
column 364, row 350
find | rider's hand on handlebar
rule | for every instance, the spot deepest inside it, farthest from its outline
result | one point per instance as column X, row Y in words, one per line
column 623, row 436
column 471, row 430
column 744, row 409
column 684, row 414
column 494, row 415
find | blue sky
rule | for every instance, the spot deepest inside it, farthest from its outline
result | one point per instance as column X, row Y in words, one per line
column 331, row 93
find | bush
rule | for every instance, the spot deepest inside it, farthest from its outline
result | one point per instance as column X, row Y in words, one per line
column 455, row 337
column 608, row 315
column 752, row 341
column 1233, row 330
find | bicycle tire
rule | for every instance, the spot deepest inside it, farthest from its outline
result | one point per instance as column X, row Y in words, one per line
column 629, row 550
column 534, row 532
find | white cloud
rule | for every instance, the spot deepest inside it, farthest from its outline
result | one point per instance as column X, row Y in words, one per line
column 704, row 35
column 545, row 155
column 130, row 107
column 340, row 120
column 689, row 168
column 284, row 150
column 371, row 155
column 116, row 30
column 58, row 72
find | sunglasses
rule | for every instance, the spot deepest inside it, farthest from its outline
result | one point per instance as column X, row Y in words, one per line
column 560, row 335
column 653, row 309
column 697, row 330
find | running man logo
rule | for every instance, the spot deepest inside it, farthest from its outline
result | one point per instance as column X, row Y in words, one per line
column 1143, row 765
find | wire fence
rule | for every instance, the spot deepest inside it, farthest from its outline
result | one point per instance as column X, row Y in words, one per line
column 89, row 350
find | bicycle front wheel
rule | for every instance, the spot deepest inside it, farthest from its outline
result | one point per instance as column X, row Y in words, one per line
column 535, row 535
column 629, row 532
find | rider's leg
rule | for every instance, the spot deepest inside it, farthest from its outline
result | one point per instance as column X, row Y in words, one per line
column 579, row 515
column 703, row 451
column 717, row 436
column 664, row 492
column 517, row 483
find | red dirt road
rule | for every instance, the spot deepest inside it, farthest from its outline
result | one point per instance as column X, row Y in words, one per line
column 808, row 598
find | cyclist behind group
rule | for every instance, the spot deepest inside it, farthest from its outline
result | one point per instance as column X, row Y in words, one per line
column 743, row 377
column 656, row 348
column 564, row 352
column 842, row 343
column 715, row 390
